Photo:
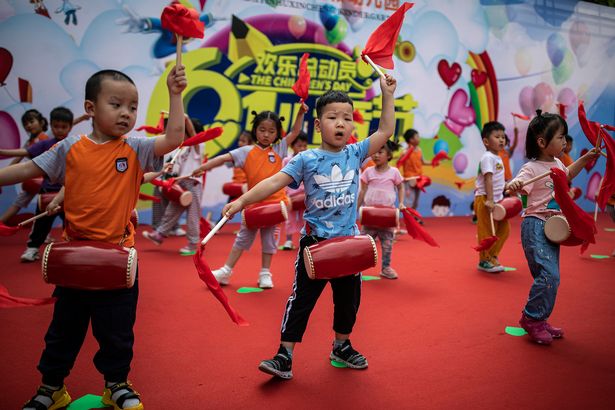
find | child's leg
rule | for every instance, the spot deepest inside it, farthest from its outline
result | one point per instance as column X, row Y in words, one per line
column 483, row 223
column 543, row 260
column 158, row 208
column 243, row 242
column 407, row 194
column 346, row 300
column 417, row 194
column 194, row 213
column 502, row 230
column 40, row 229
column 170, row 218
column 386, row 243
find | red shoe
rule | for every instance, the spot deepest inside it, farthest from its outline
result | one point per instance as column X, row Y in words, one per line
column 555, row 332
column 536, row 329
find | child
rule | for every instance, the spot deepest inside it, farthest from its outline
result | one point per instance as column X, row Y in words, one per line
column 545, row 142
column 186, row 163
column 412, row 167
column 565, row 157
column 295, row 217
column 239, row 175
column 102, row 173
column 61, row 120
column 507, row 153
column 330, row 174
column 259, row 162
column 378, row 188
column 489, row 190
column 36, row 125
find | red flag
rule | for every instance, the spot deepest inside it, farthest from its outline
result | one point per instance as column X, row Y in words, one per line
column 357, row 116
column 402, row 160
column 203, row 136
column 422, row 182
column 608, row 127
column 589, row 127
column 562, row 110
column 520, row 116
column 486, row 243
column 8, row 230
column 204, row 227
column 8, row 301
column 206, row 276
column 158, row 129
column 302, row 86
column 381, row 44
column 439, row 157
column 145, row 197
column 183, row 21
column 607, row 188
column 581, row 223
column 415, row 230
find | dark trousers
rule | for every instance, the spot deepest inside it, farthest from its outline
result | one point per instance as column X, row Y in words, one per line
column 113, row 314
column 306, row 291
column 41, row 228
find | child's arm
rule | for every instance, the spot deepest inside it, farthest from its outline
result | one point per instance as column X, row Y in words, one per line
column 577, row 166
column 513, row 143
column 212, row 163
column 262, row 190
column 386, row 126
column 149, row 176
column 362, row 194
column 489, row 189
column 297, row 126
column 81, row 118
column 400, row 195
column 56, row 203
column 19, row 152
column 20, row 172
column 176, row 83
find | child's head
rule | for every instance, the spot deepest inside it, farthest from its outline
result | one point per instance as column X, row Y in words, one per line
column 493, row 136
column 545, row 136
column 441, row 206
column 385, row 153
column 245, row 138
column 33, row 122
column 111, row 99
column 61, row 120
column 412, row 137
column 334, row 119
column 300, row 143
column 266, row 127
column 569, row 142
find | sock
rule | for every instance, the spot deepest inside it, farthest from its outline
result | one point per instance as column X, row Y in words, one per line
column 44, row 399
column 265, row 270
column 338, row 343
column 226, row 269
column 119, row 393
column 289, row 350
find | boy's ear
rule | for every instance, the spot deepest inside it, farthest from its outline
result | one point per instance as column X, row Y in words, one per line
column 88, row 106
column 317, row 124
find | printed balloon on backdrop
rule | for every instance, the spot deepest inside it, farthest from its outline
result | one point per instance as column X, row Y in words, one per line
column 543, row 97
column 353, row 13
column 337, row 34
column 556, row 48
column 460, row 162
column 9, row 132
column 580, row 38
column 562, row 72
column 523, row 61
column 6, row 63
column 567, row 97
column 526, row 100
column 297, row 26
column 440, row 145
column 593, row 185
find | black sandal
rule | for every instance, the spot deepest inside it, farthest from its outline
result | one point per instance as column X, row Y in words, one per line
column 119, row 403
column 47, row 392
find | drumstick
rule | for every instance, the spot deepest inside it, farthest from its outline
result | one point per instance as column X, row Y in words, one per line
column 596, row 199
column 215, row 229
column 183, row 177
column 410, row 178
column 536, row 178
column 492, row 224
column 34, row 218
column 179, row 150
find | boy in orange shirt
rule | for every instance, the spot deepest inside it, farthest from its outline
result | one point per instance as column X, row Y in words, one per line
column 102, row 174
column 412, row 167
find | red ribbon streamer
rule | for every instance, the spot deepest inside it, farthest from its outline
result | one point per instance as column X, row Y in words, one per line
column 203, row 136
column 302, row 86
column 415, row 230
column 8, row 230
column 358, row 117
column 8, row 301
column 183, row 21
column 442, row 155
column 486, row 244
column 145, row 197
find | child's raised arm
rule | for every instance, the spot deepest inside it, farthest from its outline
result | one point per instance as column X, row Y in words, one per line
column 386, row 126
column 577, row 166
column 262, row 190
column 19, row 172
column 297, row 126
column 212, row 163
column 176, row 83
column 19, row 152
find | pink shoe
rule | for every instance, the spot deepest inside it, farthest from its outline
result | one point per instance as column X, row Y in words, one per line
column 536, row 329
column 555, row 332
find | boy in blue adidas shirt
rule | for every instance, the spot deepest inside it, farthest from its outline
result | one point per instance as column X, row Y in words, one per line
column 330, row 175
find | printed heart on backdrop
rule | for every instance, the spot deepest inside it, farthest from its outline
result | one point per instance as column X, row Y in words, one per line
column 449, row 73
column 478, row 78
column 460, row 115
column 590, row 164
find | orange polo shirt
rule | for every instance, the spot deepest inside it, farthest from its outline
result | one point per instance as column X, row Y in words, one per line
column 414, row 164
column 566, row 159
column 506, row 161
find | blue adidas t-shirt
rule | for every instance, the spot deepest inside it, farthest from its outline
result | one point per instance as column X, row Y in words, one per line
column 331, row 181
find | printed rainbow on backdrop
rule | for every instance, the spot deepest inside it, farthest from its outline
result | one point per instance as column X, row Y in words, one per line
column 485, row 97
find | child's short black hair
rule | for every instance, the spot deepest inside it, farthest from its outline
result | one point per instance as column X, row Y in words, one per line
column 390, row 147
column 62, row 114
column 490, row 127
column 263, row 116
column 92, row 86
column 331, row 97
column 301, row 137
column 569, row 139
column 543, row 125
column 441, row 200
column 36, row 115
column 409, row 134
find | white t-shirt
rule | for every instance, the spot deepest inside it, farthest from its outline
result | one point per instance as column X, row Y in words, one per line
column 490, row 162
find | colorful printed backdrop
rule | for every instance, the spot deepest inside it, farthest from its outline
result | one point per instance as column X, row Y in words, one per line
column 458, row 65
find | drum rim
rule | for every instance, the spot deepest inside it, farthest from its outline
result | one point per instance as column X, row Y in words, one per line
column 374, row 248
column 183, row 195
column 45, row 261
column 558, row 217
column 307, row 256
column 131, row 267
column 284, row 210
column 500, row 209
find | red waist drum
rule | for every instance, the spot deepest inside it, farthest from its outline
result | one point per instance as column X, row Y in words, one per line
column 264, row 215
column 575, row 193
column 379, row 217
column 89, row 265
column 557, row 230
column 134, row 218
column 177, row 194
column 338, row 257
column 234, row 189
column 32, row 186
column 297, row 202
column 45, row 199
column 507, row 208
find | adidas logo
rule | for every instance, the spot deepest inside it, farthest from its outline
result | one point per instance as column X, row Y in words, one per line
column 336, row 182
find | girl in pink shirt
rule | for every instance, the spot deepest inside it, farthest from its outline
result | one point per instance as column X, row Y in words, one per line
column 382, row 185
column 545, row 141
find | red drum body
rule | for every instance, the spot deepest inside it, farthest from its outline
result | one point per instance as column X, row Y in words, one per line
column 177, row 194
column 557, row 230
column 338, row 257
column 297, row 202
column 89, row 265
column 379, row 217
column 234, row 189
column 45, row 199
column 32, row 186
column 265, row 215
column 507, row 208
column 134, row 218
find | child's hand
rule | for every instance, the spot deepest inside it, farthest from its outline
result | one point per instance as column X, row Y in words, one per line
column 304, row 108
column 176, row 80
column 592, row 154
column 489, row 204
column 402, row 207
column 168, row 167
column 198, row 172
column 53, row 207
column 232, row 208
column 514, row 186
column 388, row 84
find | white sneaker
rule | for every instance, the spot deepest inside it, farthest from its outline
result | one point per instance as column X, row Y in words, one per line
column 264, row 280
column 223, row 275
column 30, row 255
column 288, row 245
column 178, row 232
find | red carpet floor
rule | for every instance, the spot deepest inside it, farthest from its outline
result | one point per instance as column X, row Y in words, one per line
column 434, row 338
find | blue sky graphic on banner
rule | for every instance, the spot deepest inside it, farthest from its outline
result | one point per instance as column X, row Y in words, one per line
column 458, row 65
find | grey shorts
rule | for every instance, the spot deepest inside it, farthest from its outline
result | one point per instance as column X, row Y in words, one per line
column 245, row 239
